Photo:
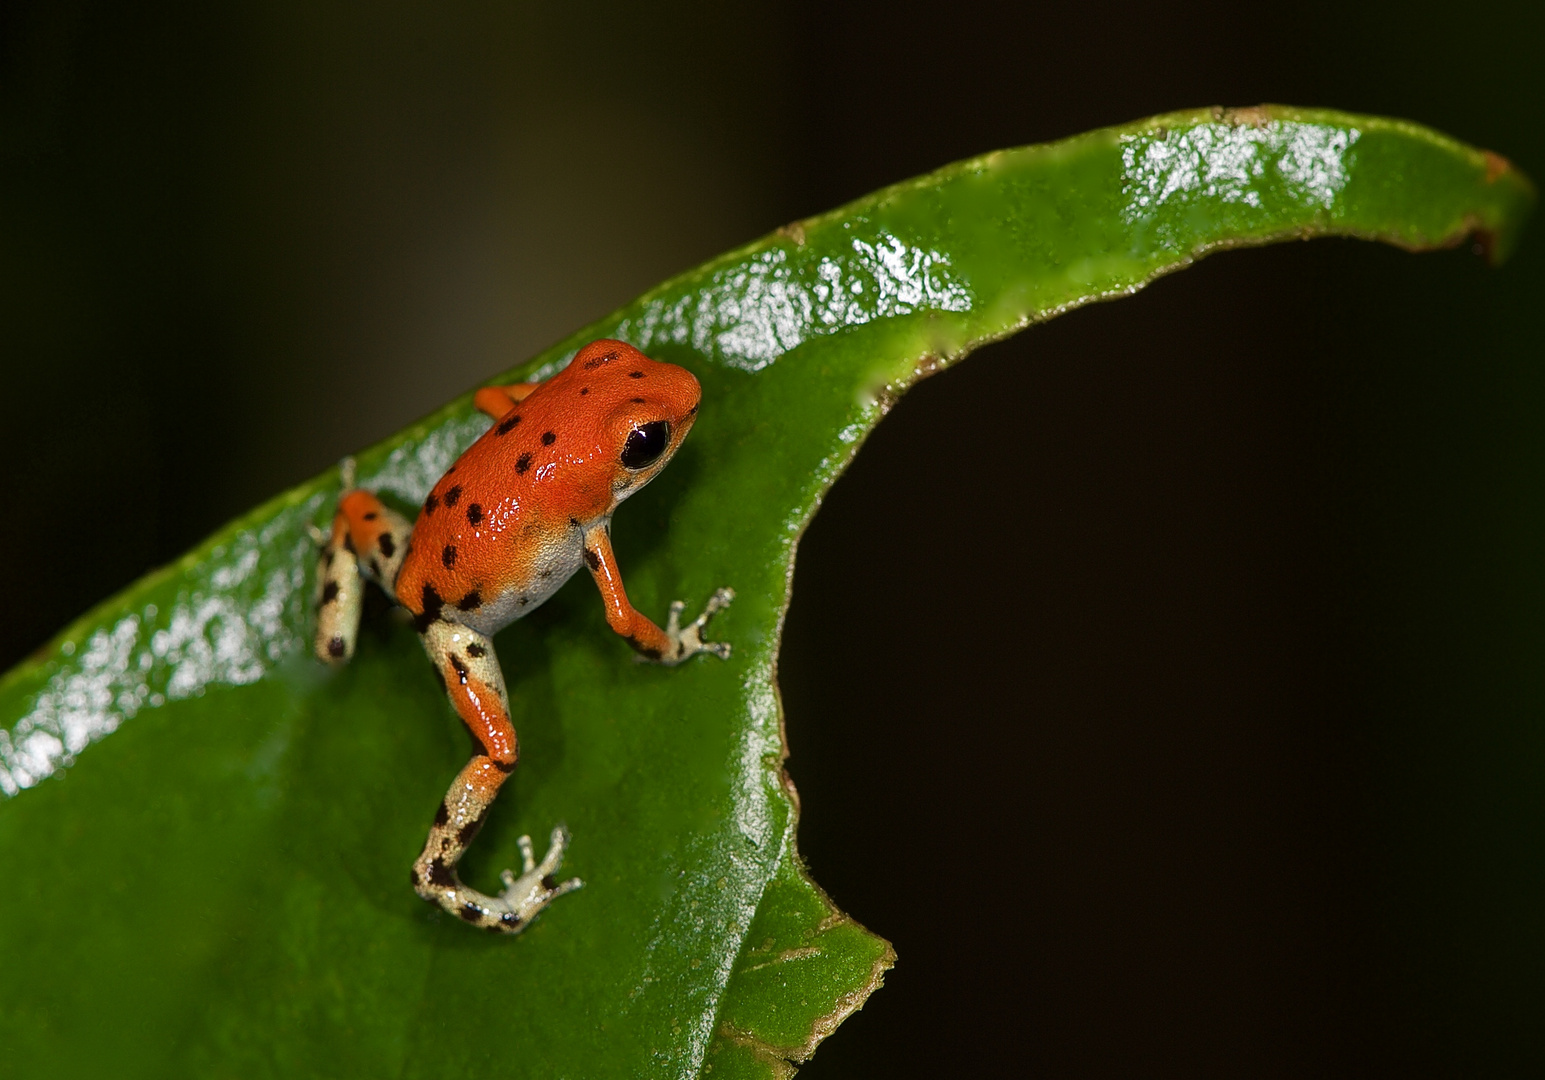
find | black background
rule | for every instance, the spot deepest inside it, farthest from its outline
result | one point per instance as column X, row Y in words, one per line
column 1165, row 682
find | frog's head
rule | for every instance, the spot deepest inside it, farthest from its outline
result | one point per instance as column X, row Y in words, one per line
column 640, row 409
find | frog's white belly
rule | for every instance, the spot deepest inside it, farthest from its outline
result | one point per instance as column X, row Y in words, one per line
column 552, row 566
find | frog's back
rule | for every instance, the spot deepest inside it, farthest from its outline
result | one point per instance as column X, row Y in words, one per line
column 504, row 527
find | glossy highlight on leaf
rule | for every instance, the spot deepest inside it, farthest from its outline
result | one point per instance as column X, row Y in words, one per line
column 208, row 835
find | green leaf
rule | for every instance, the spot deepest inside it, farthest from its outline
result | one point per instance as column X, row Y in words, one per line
column 804, row 967
column 220, row 887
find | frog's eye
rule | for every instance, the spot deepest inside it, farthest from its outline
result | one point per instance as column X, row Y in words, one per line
column 645, row 444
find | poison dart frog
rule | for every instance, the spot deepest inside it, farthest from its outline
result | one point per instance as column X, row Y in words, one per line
column 525, row 507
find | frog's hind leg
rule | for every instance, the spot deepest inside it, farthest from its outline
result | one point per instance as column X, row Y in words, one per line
column 368, row 542
column 339, row 597
column 465, row 663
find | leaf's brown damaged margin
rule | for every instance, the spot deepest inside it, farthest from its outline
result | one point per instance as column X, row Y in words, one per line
column 778, row 1059
column 745, row 1043
column 749, row 1030
column 781, row 1060
column 823, row 1025
column 1487, row 242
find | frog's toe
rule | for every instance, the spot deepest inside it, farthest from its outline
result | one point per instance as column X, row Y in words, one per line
column 536, row 887
column 717, row 602
column 527, row 858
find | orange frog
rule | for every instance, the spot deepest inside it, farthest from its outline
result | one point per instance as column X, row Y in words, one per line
column 528, row 504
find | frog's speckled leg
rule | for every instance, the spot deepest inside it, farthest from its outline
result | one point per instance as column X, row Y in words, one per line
column 465, row 662
column 380, row 536
column 339, row 596
column 368, row 540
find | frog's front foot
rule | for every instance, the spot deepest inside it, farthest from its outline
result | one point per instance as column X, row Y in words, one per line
column 687, row 641
column 536, row 887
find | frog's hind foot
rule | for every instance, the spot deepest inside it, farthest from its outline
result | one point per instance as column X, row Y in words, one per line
column 536, row 887
column 521, row 899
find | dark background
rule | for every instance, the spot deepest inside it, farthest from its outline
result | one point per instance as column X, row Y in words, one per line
column 1166, row 682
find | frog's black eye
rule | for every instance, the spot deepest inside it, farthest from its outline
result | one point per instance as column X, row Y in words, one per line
column 645, row 444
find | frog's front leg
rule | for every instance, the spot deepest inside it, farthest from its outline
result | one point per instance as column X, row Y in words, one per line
column 669, row 646
column 466, row 664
